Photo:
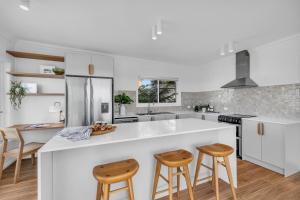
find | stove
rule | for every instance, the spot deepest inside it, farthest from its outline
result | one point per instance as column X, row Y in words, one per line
column 235, row 119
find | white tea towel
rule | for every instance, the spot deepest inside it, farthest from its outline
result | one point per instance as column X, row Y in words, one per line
column 76, row 133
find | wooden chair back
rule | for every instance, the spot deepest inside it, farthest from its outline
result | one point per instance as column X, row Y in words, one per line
column 11, row 133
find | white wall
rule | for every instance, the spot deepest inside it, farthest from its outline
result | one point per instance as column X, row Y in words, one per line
column 5, row 44
column 35, row 109
column 271, row 64
column 128, row 70
column 275, row 63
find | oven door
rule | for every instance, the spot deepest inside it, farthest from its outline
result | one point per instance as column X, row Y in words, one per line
column 239, row 141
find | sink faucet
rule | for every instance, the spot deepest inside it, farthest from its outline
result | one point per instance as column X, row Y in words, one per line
column 148, row 108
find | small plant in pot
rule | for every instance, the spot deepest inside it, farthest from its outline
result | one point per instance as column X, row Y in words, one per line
column 121, row 100
column 16, row 94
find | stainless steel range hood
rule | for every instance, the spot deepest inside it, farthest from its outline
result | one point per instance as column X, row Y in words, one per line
column 243, row 79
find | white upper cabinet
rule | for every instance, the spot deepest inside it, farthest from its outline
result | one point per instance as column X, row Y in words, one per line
column 103, row 65
column 77, row 64
column 89, row 65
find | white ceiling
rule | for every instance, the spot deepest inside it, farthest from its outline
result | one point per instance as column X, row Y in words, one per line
column 193, row 31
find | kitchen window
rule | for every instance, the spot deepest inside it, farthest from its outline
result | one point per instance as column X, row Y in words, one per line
column 160, row 92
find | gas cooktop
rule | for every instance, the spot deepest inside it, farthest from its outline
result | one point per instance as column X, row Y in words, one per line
column 240, row 115
column 233, row 118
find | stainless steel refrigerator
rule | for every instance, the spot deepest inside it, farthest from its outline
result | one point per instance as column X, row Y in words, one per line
column 88, row 99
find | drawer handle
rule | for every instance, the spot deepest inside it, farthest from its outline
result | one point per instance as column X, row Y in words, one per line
column 262, row 128
column 91, row 69
column 258, row 129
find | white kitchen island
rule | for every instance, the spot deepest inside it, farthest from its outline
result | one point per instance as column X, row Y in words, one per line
column 65, row 167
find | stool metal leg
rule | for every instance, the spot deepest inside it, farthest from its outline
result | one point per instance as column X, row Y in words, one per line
column 229, row 174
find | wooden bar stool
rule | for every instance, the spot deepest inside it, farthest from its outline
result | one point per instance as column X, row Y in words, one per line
column 173, row 159
column 110, row 173
column 216, row 151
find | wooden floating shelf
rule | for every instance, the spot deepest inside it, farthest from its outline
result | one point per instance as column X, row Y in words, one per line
column 45, row 94
column 37, row 75
column 19, row 54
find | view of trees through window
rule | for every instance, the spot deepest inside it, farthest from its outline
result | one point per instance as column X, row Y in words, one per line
column 157, row 91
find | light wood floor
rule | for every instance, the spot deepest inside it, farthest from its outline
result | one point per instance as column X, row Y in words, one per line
column 255, row 183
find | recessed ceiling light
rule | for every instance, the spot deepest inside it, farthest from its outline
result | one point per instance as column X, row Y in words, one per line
column 25, row 5
column 159, row 27
column 154, row 36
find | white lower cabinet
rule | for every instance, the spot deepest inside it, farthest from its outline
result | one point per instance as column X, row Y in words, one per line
column 272, row 144
column 211, row 117
column 251, row 139
column 267, row 144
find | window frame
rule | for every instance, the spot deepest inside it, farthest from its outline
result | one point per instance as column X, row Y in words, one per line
column 178, row 96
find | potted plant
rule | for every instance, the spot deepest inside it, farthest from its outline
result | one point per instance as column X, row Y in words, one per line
column 121, row 100
column 16, row 94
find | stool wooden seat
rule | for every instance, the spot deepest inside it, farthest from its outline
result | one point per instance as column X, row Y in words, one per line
column 173, row 159
column 110, row 173
column 216, row 151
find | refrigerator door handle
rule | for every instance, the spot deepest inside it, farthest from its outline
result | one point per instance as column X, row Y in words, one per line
column 86, row 102
column 66, row 103
column 92, row 103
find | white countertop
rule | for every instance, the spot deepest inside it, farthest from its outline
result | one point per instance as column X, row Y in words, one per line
column 273, row 120
column 138, row 131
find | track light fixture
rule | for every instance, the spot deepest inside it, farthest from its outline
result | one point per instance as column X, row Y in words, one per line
column 154, row 36
column 159, row 27
column 230, row 46
column 25, row 5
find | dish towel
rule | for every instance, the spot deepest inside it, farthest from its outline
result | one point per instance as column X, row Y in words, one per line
column 76, row 133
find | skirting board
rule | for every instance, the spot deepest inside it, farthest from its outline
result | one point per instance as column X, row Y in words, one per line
column 264, row 164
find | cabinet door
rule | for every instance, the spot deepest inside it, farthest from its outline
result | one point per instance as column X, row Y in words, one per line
column 251, row 145
column 186, row 115
column 210, row 117
column 273, row 144
column 103, row 66
column 77, row 64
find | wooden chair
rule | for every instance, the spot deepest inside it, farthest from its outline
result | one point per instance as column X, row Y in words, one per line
column 19, row 153
column 173, row 159
column 216, row 151
column 110, row 173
